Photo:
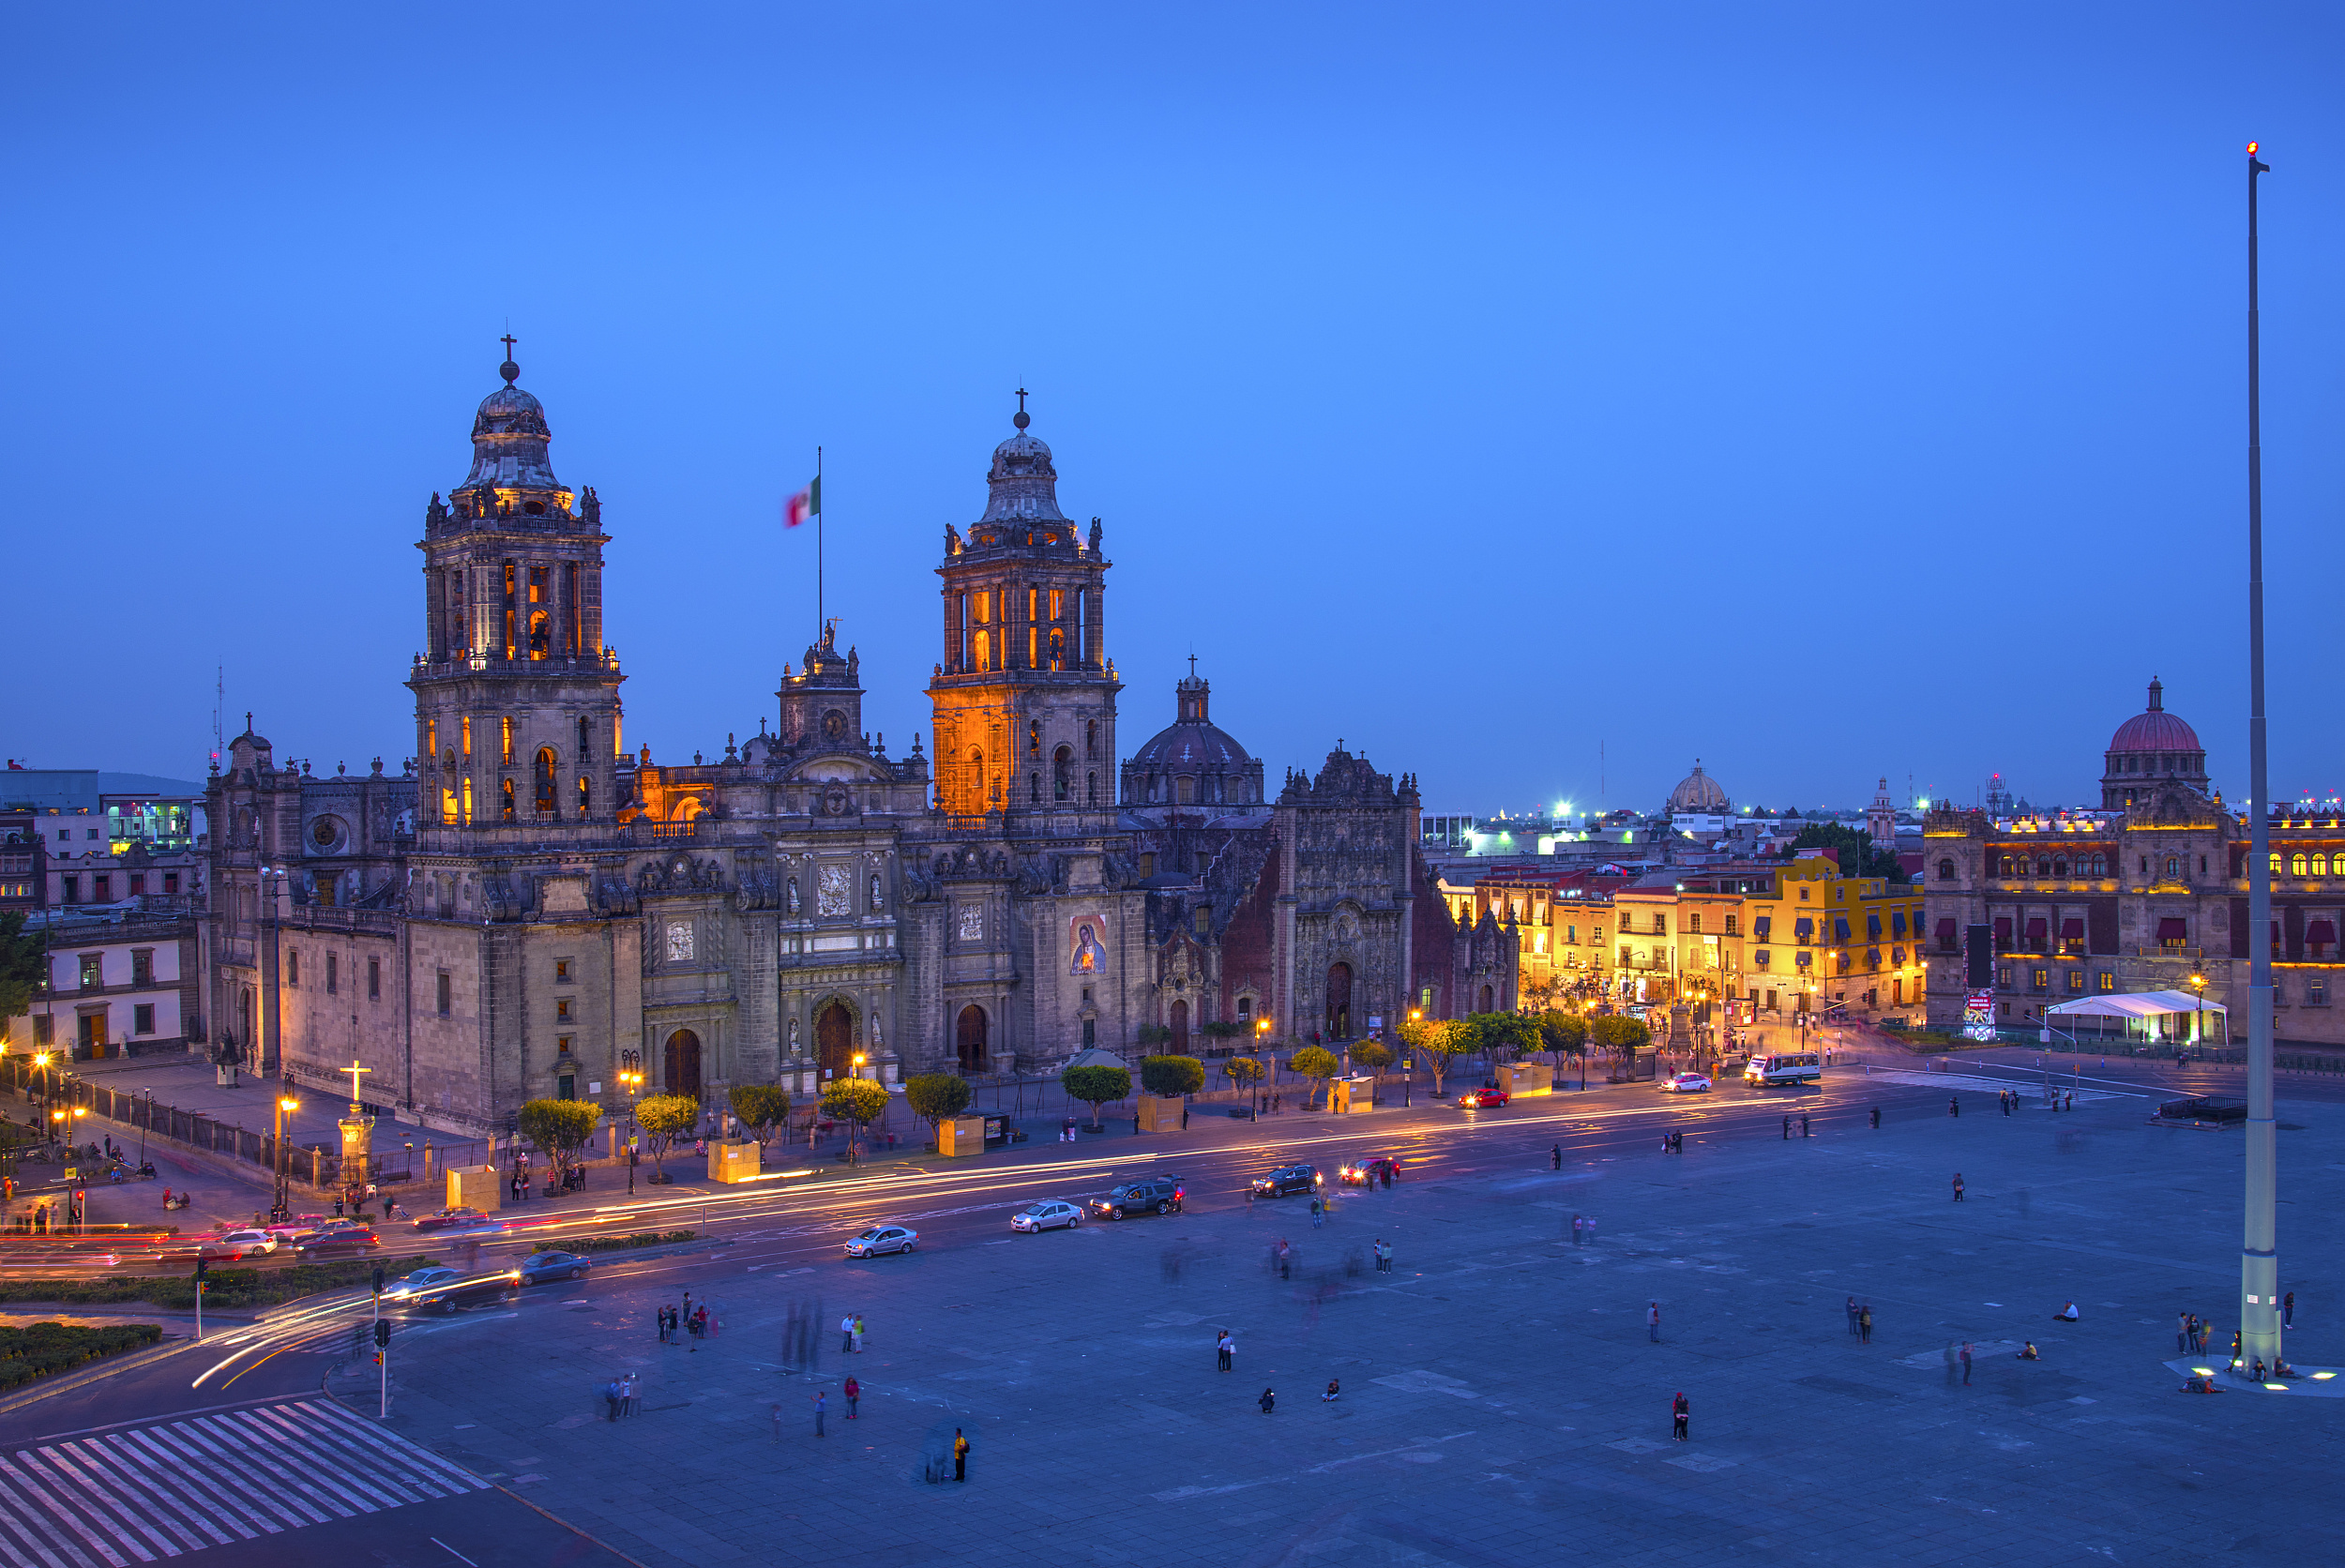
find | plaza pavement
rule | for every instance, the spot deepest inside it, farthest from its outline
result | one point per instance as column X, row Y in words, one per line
column 1501, row 1402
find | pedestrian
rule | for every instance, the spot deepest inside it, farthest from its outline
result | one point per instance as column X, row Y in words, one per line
column 854, row 1390
column 1851, row 1315
column 1865, row 1322
column 1556, row 1157
column 1268, row 1401
column 846, row 1334
column 1803, row 1128
column 1575, row 1230
column 856, row 1336
column 1787, row 1129
column 1958, row 1186
column 1393, row 1166
column 1315, row 1212
column 634, row 1391
column 610, row 1397
column 1966, row 1363
column 1222, row 1347
column 2288, row 1310
column 1954, row 1105
column 821, row 1408
column 2182, row 1332
column 1875, row 1114
column 1653, row 1321
column 1286, row 1259
column 1679, row 1413
column 961, row 1456
column 2235, row 1351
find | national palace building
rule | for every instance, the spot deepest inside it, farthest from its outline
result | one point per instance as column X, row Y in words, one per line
column 527, row 906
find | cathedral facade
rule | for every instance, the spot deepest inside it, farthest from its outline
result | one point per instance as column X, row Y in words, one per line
column 528, row 909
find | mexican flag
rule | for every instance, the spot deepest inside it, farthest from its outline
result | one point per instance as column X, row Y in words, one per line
column 806, row 503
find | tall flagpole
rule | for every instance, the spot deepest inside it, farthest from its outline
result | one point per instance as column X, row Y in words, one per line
column 818, row 546
column 2259, row 1263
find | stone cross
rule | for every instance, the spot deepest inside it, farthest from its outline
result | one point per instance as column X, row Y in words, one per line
column 353, row 1070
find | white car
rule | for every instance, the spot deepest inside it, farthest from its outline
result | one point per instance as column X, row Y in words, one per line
column 1049, row 1215
column 250, row 1240
column 1684, row 1083
column 883, row 1239
column 416, row 1283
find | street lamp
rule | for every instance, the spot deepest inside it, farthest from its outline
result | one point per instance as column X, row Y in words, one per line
column 632, row 1075
column 2197, row 1019
column 1262, row 1038
column 286, row 1104
column 146, row 1123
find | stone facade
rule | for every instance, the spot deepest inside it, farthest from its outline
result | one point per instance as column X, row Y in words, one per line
column 531, row 910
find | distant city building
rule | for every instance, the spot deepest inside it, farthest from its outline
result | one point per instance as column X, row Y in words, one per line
column 116, row 982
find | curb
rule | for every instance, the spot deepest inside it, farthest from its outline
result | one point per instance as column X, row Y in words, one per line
column 104, row 1369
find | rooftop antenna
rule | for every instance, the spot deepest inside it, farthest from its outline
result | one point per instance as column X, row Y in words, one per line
column 220, row 695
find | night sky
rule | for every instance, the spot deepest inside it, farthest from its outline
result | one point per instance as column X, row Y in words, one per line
column 1823, row 392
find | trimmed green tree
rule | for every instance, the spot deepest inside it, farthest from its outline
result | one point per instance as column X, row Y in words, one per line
column 1621, row 1037
column 1563, row 1034
column 761, row 1108
column 857, row 1100
column 1504, row 1035
column 559, row 1129
column 1317, row 1064
column 1436, row 1042
column 1243, row 1072
column 1152, row 1034
column 1171, row 1075
column 1221, row 1028
column 935, row 1097
column 1094, row 1086
column 664, row 1118
column 1373, row 1054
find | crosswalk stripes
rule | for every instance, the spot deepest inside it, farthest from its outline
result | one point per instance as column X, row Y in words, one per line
column 143, row 1494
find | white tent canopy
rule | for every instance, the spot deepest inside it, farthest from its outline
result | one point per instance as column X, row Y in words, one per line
column 2134, row 1004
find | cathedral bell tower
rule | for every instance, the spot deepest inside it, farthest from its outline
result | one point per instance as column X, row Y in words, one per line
column 1024, row 699
column 516, row 699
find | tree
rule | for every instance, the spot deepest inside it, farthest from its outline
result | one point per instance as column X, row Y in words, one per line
column 761, row 1108
column 1152, row 1034
column 559, row 1129
column 1171, row 1075
column 1317, row 1064
column 1373, row 1054
column 1858, row 856
column 1562, row 1033
column 857, row 1100
column 1503, row 1033
column 1221, row 1028
column 23, row 958
column 1436, row 1040
column 664, row 1118
column 1622, row 1036
column 1094, row 1086
column 935, row 1097
column 1243, row 1072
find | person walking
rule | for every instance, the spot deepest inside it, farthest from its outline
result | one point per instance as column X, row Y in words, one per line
column 2182, row 1332
column 1966, row 1363
column 1851, row 1315
column 854, row 1391
column 1958, row 1186
column 961, row 1456
column 2288, row 1310
column 1317, row 1210
column 1575, row 1230
column 1556, row 1157
column 1223, row 1348
column 1653, row 1321
column 1679, row 1412
column 611, row 1398
column 1268, row 1401
column 822, row 1407
column 1865, row 1322
column 1787, row 1129
column 1803, row 1128
column 846, row 1334
column 855, row 1335
column 1875, row 1114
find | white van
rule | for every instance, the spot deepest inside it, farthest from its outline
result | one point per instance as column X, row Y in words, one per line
column 1803, row 1067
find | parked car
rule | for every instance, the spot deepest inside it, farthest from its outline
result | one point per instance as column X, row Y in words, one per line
column 1481, row 1099
column 1150, row 1195
column 1051, row 1214
column 250, row 1240
column 1684, row 1083
column 883, row 1239
column 418, row 1283
column 1367, row 1173
column 446, row 1218
column 1287, row 1178
column 538, row 1267
column 466, row 1291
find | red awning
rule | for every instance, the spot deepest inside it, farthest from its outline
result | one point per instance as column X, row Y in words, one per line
column 2173, row 928
column 2321, row 933
column 2035, row 928
column 1945, row 931
column 2072, row 929
column 2002, row 929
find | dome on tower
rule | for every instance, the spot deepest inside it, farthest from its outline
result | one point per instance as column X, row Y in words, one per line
column 2152, row 745
column 1193, row 761
column 1021, row 486
column 1697, row 794
column 2154, row 729
column 511, row 471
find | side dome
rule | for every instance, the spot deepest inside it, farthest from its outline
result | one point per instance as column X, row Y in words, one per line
column 1193, row 761
column 1697, row 794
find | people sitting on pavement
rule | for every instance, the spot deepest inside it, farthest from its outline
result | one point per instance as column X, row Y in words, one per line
column 2066, row 1314
column 1335, row 1388
column 2028, row 1352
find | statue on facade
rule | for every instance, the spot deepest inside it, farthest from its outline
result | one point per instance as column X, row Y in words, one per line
column 590, row 507
column 435, row 515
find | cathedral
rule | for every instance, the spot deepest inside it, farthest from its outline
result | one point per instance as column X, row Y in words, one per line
column 529, row 910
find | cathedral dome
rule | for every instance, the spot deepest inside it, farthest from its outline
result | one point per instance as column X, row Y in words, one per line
column 510, row 470
column 511, row 410
column 1021, row 486
column 2154, row 729
column 1697, row 794
column 1193, row 761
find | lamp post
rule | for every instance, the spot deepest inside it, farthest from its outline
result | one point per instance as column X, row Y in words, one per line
column 2198, row 1012
column 282, row 1209
column 854, row 1139
column 146, row 1122
column 1253, row 1098
column 632, row 1075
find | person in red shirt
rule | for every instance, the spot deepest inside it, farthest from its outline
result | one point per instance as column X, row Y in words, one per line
column 854, row 1391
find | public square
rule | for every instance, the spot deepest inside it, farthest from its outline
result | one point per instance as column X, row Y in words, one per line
column 1501, row 1400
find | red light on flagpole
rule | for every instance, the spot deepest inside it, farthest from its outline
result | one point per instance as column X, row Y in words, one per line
column 2253, row 147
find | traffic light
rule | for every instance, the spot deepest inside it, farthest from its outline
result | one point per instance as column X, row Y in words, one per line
column 378, row 1280
column 382, row 1333
column 200, row 1264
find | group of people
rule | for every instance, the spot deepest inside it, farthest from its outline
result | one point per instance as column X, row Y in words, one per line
column 621, row 1392
column 1860, row 1319
column 685, row 1319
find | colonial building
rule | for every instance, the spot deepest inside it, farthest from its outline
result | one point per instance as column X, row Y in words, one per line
column 531, row 909
column 2149, row 893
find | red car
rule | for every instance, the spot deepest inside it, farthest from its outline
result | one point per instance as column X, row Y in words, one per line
column 446, row 1217
column 1368, row 1172
column 1480, row 1099
column 345, row 1238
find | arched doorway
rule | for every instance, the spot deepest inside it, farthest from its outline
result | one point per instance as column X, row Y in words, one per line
column 1488, row 1000
column 969, row 1038
column 683, row 1064
column 1180, row 1029
column 1338, row 1001
column 834, row 1040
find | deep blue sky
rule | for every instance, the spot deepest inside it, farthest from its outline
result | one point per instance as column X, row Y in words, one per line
column 1825, row 392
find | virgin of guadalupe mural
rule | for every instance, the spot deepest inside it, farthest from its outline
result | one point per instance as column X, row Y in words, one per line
column 1088, row 955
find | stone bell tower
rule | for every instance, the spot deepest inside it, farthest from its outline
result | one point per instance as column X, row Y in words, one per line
column 1024, row 699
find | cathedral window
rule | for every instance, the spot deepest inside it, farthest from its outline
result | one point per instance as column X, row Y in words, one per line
column 1058, row 649
column 467, row 813
column 2320, row 865
column 2060, row 866
column 447, row 805
column 586, row 797
column 585, row 736
column 2298, row 866
column 467, row 737
column 1185, row 790
column 511, row 593
column 985, row 651
column 505, row 728
column 541, row 634
column 1061, row 773
column 1034, row 786
column 431, row 738
column 1091, row 741
column 545, row 781
column 508, row 800
column 1034, row 739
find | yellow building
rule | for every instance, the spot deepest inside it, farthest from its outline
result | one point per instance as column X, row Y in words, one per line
column 1816, row 937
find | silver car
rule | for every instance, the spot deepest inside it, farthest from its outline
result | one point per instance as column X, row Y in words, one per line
column 1049, row 1215
column 883, row 1239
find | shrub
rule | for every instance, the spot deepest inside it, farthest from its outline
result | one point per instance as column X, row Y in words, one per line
column 38, row 1350
column 616, row 1243
column 1171, row 1075
column 1242, row 1071
column 1373, row 1054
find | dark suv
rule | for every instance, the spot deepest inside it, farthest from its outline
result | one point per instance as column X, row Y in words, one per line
column 1151, row 1194
column 1286, row 1178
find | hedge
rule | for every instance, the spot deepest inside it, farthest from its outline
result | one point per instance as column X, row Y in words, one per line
column 614, row 1244
column 38, row 1349
column 223, row 1288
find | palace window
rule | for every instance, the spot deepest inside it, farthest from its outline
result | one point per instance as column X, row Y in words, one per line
column 2108, row 980
column 1946, row 870
column 2298, row 866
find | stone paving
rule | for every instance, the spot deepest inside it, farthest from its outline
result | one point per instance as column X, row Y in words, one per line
column 1501, row 1400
